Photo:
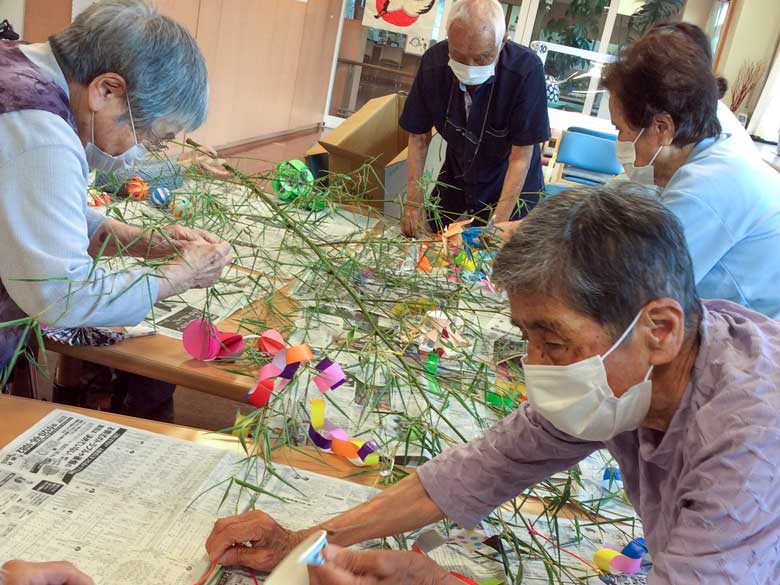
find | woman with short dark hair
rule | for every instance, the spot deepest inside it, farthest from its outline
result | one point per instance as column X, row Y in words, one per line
column 664, row 101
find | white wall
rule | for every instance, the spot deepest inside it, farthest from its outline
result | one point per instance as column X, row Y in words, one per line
column 13, row 10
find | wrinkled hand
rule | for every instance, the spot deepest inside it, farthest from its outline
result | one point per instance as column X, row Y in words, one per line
column 411, row 220
column 503, row 212
column 199, row 265
column 180, row 233
column 270, row 541
column 21, row 573
column 349, row 567
column 505, row 229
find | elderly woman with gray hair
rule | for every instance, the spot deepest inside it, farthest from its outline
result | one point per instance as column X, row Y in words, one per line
column 622, row 355
column 119, row 81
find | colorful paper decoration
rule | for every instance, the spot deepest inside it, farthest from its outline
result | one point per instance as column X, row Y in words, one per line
column 203, row 341
column 318, row 413
column 463, row 578
column 431, row 369
column 137, row 188
column 180, row 206
column 277, row 374
column 293, row 179
column 636, row 549
column 437, row 328
column 454, row 230
column 331, row 376
column 423, row 262
column 242, row 425
column 159, row 197
column 280, row 372
column 471, row 540
column 98, row 199
column 613, row 562
column 270, row 342
column 331, row 439
column 474, row 237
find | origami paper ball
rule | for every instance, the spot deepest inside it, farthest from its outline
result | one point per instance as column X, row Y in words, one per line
column 180, row 206
column 137, row 188
column 159, row 197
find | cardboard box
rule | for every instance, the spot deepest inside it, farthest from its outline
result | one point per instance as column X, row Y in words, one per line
column 316, row 159
column 371, row 136
column 396, row 175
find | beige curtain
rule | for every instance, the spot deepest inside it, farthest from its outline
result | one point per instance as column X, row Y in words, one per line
column 765, row 122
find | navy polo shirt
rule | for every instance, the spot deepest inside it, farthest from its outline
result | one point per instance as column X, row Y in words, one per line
column 508, row 110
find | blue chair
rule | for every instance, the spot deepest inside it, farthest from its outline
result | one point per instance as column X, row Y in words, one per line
column 551, row 189
column 589, row 132
column 585, row 159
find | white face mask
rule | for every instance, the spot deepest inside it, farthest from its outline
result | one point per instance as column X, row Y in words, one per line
column 471, row 74
column 102, row 161
column 626, row 155
column 577, row 398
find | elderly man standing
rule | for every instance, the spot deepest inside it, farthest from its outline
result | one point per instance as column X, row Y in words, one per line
column 119, row 81
column 486, row 96
column 622, row 355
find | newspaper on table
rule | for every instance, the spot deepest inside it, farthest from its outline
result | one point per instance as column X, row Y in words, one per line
column 132, row 507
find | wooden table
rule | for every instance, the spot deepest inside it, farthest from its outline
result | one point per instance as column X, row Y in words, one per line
column 19, row 414
column 163, row 358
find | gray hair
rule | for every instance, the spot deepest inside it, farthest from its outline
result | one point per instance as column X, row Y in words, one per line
column 160, row 61
column 604, row 252
column 486, row 14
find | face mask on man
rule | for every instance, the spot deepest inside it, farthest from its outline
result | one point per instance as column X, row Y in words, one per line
column 102, row 161
column 475, row 74
column 577, row 398
column 472, row 74
column 626, row 155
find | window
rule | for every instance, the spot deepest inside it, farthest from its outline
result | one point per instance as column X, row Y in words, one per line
column 579, row 37
column 574, row 38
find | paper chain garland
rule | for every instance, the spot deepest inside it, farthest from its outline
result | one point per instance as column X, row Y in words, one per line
column 286, row 361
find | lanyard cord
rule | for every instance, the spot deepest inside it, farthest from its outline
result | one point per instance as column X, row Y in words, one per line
column 484, row 121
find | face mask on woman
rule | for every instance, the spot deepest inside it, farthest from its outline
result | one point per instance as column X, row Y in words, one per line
column 626, row 155
column 577, row 398
column 102, row 161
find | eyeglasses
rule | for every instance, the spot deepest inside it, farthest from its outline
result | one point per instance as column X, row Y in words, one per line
column 155, row 143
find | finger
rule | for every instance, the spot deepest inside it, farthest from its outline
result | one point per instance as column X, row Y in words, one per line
column 246, row 530
column 329, row 574
column 258, row 559
column 209, row 237
column 222, row 524
column 357, row 562
column 62, row 573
